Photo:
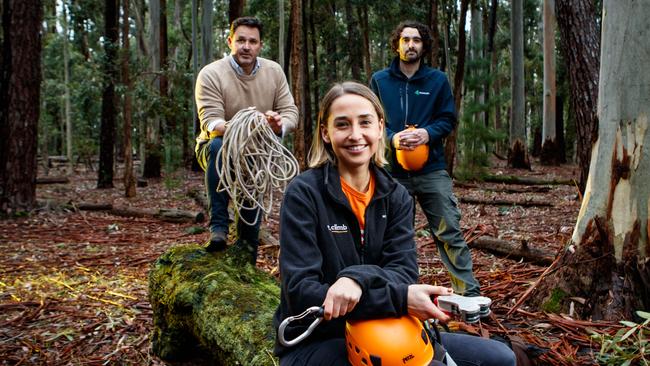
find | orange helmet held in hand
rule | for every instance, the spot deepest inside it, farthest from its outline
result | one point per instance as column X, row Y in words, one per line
column 389, row 341
column 412, row 160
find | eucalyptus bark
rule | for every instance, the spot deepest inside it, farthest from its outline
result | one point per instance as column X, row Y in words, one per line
column 607, row 261
column 518, row 151
column 550, row 147
column 152, row 154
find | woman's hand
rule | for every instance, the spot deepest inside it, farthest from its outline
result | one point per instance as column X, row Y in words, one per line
column 420, row 303
column 341, row 298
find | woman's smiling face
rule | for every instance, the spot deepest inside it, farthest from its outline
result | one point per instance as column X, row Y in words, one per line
column 353, row 129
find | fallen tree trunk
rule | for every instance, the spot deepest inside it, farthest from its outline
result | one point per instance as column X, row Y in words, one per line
column 504, row 202
column 512, row 250
column 215, row 300
column 164, row 214
column 503, row 189
column 512, row 179
column 52, row 180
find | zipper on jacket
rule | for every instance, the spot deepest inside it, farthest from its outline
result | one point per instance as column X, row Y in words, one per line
column 406, row 93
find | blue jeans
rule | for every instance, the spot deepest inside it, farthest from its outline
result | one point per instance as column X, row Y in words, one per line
column 433, row 191
column 465, row 350
column 218, row 201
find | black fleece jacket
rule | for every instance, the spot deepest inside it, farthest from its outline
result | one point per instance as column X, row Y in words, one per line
column 320, row 241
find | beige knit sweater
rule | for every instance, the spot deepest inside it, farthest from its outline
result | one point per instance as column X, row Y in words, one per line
column 221, row 93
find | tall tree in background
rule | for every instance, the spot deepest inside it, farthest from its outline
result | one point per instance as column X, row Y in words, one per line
column 107, row 133
column 129, row 176
column 353, row 39
column 206, row 32
column 153, row 154
column 581, row 48
column 450, row 143
column 298, row 75
column 169, row 121
column 235, row 9
column 435, row 33
column 518, row 152
column 66, row 89
column 550, row 148
column 20, row 82
column 608, row 261
column 362, row 11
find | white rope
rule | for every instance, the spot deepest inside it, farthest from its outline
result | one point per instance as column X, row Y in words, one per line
column 253, row 163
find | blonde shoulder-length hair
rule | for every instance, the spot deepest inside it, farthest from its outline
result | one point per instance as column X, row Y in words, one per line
column 321, row 152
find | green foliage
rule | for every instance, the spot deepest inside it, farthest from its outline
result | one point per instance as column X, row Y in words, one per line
column 476, row 135
column 629, row 346
column 554, row 303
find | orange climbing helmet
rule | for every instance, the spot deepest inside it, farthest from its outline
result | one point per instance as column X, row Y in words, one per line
column 388, row 341
column 412, row 160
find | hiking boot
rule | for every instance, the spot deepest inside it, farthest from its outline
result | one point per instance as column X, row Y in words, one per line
column 217, row 242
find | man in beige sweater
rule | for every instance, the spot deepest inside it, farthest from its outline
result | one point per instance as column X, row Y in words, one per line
column 224, row 87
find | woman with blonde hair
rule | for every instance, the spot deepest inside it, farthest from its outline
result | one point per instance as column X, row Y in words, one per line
column 346, row 238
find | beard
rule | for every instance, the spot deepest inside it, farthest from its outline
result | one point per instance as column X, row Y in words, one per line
column 411, row 57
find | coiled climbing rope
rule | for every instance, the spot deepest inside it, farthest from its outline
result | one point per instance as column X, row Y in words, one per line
column 253, row 163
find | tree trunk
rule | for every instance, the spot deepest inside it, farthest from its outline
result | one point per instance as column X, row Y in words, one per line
column 215, row 301
column 550, row 149
column 19, row 100
column 298, row 67
column 362, row 11
column 518, row 154
column 354, row 51
column 281, row 26
column 607, row 263
column 435, row 34
column 129, row 177
column 107, row 134
column 66, row 89
column 206, row 31
column 476, row 52
column 314, row 54
column 169, row 121
column 579, row 35
column 153, row 155
column 235, row 9
column 331, row 38
column 450, row 143
column 559, row 129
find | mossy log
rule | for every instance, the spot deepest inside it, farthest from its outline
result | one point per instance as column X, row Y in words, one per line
column 215, row 300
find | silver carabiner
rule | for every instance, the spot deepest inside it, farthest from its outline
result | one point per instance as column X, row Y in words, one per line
column 317, row 310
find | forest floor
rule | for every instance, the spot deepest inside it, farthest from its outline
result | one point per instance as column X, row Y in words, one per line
column 73, row 283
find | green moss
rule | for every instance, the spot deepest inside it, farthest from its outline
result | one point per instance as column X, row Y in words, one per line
column 554, row 302
column 216, row 300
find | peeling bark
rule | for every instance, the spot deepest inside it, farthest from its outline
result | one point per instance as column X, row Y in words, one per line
column 608, row 261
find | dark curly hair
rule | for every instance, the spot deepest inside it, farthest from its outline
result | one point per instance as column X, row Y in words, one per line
column 425, row 34
column 247, row 21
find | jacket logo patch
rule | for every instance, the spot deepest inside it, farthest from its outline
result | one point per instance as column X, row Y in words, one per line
column 418, row 92
column 337, row 228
